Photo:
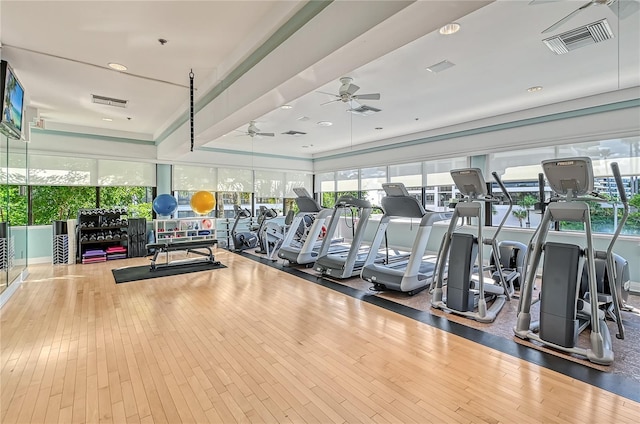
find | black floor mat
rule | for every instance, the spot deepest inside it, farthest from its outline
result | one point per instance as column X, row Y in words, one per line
column 136, row 273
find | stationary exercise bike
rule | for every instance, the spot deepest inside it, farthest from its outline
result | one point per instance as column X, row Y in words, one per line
column 264, row 215
column 246, row 239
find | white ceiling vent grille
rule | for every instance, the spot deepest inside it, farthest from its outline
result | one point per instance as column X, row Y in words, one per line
column 109, row 101
column 579, row 37
column 440, row 66
column 364, row 110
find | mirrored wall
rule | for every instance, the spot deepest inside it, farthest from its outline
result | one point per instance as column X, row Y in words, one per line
column 13, row 210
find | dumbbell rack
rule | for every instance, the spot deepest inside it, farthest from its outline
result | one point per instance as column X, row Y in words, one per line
column 101, row 231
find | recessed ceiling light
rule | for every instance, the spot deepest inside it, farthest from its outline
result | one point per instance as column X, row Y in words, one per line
column 325, row 123
column 286, row 107
column 107, row 119
column 378, row 128
column 449, row 29
column 117, row 66
column 534, row 89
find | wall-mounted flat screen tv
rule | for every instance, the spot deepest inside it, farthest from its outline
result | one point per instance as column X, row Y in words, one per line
column 12, row 96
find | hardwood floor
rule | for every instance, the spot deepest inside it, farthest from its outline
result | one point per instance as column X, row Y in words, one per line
column 250, row 343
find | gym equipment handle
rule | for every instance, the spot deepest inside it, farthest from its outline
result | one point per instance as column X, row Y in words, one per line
column 501, row 184
column 616, row 174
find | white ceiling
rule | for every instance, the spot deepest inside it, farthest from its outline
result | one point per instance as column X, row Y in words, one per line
column 52, row 45
column 498, row 54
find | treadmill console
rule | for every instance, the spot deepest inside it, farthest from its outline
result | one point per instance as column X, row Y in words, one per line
column 469, row 181
column 305, row 202
column 575, row 174
column 395, row 189
column 301, row 192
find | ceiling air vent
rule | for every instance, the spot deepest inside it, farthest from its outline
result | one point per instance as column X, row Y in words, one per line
column 294, row 132
column 579, row 37
column 364, row 110
column 109, row 101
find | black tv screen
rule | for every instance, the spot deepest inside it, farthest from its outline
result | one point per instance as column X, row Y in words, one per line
column 12, row 96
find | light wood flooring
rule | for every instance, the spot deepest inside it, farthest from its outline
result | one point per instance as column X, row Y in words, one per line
column 250, row 343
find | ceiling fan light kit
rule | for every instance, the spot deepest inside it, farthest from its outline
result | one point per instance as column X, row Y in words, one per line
column 347, row 94
column 253, row 131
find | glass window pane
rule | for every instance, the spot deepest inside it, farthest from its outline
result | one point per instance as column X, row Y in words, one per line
column 16, row 204
column 226, row 200
column 137, row 200
column 120, row 173
column 62, row 171
column 269, row 183
column 231, row 179
column 326, row 181
column 58, row 203
column 626, row 152
column 520, row 165
column 347, row 180
column 195, row 178
column 410, row 174
column 297, row 179
column 373, row 178
column 438, row 170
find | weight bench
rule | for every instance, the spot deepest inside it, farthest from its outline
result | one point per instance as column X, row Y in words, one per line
column 204, row 247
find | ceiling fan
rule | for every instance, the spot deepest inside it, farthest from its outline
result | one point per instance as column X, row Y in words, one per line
column 624, row 9
column 253, row 131
column 347, row 94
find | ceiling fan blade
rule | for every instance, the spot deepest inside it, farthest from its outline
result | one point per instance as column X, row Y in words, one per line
column 371, row 96
column 535, row 2
column 624, row 9
column 329, row 94
column 266, row 134
column 351, row 89
column 330, row 101
column 566, row 18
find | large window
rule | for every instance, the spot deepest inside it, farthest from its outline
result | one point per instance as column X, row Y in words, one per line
column 519, row 171
column 59, row 203
column 137, row 200
column 440, row 189
column 371, row 180
column 59, row 186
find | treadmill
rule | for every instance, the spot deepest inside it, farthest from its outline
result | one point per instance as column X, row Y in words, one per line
column 301, row 246
column 345, row 264
column 415, row 274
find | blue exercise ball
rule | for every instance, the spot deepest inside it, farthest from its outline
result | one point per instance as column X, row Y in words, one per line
column 165, row 204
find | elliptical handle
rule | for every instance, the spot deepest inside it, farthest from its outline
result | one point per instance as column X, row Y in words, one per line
column 502, row 187
column 616, row 174
column 506, row 215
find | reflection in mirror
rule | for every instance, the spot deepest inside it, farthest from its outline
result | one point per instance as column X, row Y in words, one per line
column 16, row 178
column 4, row 211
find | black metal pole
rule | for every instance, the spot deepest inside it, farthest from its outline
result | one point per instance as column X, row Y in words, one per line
column 191, row 105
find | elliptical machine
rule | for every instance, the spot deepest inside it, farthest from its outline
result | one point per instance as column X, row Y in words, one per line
column 563, row 314
column 467, row 296
column 246, row 239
